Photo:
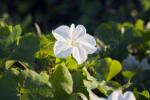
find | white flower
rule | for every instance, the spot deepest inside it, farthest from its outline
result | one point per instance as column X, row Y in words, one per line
column 144, row 65
column 131, row 62
column 73, row 41
column 119, row 96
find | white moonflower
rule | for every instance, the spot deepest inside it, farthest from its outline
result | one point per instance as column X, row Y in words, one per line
column 144, row 65
column 119, row 96
column 129, row 63
column 132, row 62
column 73, row 41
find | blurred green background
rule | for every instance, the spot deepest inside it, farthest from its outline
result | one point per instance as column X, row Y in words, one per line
column 49, row 14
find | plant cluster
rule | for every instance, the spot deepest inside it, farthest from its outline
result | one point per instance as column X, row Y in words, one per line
column 60, row 66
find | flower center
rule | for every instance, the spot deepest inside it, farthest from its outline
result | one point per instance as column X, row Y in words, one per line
column 73, row 43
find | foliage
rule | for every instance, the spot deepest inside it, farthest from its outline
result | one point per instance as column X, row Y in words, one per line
column 29, row 70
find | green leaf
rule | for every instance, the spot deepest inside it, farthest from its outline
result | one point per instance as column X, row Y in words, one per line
column 26, row 50
column 50, row 37
column 144, row 95
column 5, row 30
column 103, row 69
column 78, row 85
column 46, row 47
column 139, row 24
column 77, row 96
column 92, row 96
column 48, row 50
column 8, row 44
column 2, row 62
column 107, row 87
column 60, row 61
column 71, row 64
column 33, row 86
column 91, row 84
column 115, row 68
column 132, row 35
column 8, row 86
column 15, row 33
column 77, row 81
column 109, row 33
column 108, row 68
column 145, row 5
column 87, row 74
column 141, row 79
column 127, row 74
column 62, row 81
column 9, row 63
column 146, row 35
column 91, row 59
column 115, row 51
column 114, row 85
column 45, row 77
column 127, row 24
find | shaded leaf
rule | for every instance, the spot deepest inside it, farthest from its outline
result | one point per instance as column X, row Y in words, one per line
column 8, row 86
column 33, row 86
column 8, row 44
column 109, row 33
column 77, row 96
column 26, row 50
column 62, row 81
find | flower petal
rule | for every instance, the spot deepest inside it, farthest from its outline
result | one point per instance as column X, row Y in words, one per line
column 89, row 49
column 116, row 96
column 131, row 60
column 79, row 54
column 62, row 33
column 62, row 49
column 126, row 66
column 72, row 28
column 88, row 39
column 78, row 32
column 88, row 42
column 129, row 96
column 144, row 65
column 129, row 63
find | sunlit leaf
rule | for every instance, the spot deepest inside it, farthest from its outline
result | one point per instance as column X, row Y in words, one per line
column 108, row 68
